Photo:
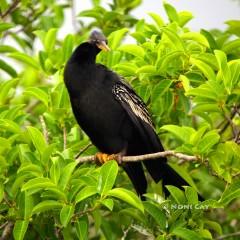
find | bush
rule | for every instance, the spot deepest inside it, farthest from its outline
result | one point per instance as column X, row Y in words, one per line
column 191, row 84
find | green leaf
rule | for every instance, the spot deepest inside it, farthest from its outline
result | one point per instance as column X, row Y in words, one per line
column 197, row 37
column 116, row 37
column 24, row 58
column 128, row 69
column 210, row 38
column 195, row 138
column 204, row 91
column 7, row 48
column 177, row 194
column 171, row 12
column 26, row 205
column 37, row 183
column 160, row 89
column 7, row 68
column 214, row 226
column 157, row 214
column 224, row 70
column 67, row 47
column 46, row 206
column 5, row 88
column 66, row 174
column 37, row 139
column 157, row 19
column 82, row 228
column 163, row 63
column 9, row 125
column 174, row 38
column 37, row 93
column 186, row 234
column 107, row 176
column 127, row 196
column 191, row 195
column 5, row 26
column 184, row 17
column 31, row 168
column 108, row 203
column 50, row 39
column 86, row 192
column 231, row 47
column 231, row 192
column 205, row 68
column 183, row 133
column 20, row 229
column 234, row 67
column 146, row 69
column 66, row 214
column 55, row 170
column 133, row 49
column 208, row 141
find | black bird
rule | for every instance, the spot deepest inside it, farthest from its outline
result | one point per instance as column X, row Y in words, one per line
column 113, row 116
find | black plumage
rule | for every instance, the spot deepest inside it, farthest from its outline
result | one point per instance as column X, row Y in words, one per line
column 113, row 115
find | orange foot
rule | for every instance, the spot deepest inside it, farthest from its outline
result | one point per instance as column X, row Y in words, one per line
column 104, row 157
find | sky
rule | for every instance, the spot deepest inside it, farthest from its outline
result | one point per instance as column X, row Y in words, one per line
column 208, row 14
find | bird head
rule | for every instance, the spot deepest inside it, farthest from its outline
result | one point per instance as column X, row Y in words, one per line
column 98, row 39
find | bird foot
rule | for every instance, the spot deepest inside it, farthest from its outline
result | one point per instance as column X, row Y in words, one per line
column 103, row 158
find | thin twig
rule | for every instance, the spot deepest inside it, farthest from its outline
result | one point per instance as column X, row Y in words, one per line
column 44, row 128
column 229, row 120
column 83, row 150
column 7, row 231
column 168, row 153
column 3, row 225
column 11, row 8
column 228, row 235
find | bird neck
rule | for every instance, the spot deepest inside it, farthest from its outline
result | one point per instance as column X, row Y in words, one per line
column 85, row 53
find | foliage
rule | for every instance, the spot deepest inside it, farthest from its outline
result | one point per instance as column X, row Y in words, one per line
column 191, row 84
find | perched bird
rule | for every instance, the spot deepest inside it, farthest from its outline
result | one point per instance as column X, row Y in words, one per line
column 113, row 116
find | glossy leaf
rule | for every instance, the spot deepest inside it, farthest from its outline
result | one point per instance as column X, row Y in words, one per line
column 186, row 234
column 38, row 94
column 20, row 229
column 82, row 228
column 66, row 214
column 37, row 139
column 46, row 206
column 107, row 176
column 157, row 214
column 84, row 193
column 126, row 196
column 24, row 58
column 135, row 50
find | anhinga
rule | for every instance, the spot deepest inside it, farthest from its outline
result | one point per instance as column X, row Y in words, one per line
column 113, row 116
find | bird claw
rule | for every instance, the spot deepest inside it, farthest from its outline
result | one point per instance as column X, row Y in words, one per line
column 102, row 158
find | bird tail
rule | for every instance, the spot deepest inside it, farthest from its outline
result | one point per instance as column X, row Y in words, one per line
column 136, row 174
column 160, row 170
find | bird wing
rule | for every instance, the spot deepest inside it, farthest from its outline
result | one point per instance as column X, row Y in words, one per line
column 132, row 103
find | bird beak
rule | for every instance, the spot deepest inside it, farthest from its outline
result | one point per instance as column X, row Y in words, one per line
column 103, row 46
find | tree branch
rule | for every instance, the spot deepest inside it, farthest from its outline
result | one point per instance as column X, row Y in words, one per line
column 168, row 153
column 11, row 8
column 228, row 235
